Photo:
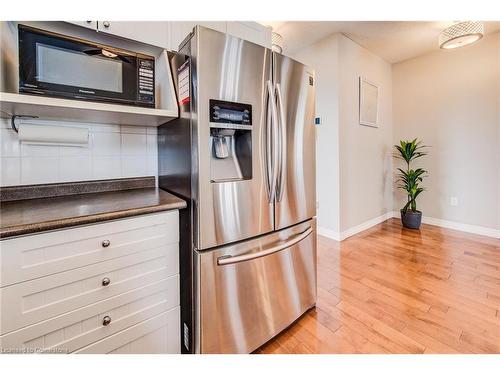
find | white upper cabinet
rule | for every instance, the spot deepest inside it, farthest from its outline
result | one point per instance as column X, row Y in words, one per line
column 88, row 24
column 251, row 31
column 179, row 30
column 170, row 34
column 150, row 32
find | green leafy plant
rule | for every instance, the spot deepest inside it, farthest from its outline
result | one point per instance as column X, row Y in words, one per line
column 409, row 179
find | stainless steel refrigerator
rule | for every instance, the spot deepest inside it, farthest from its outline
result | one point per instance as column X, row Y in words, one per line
column 242, row 154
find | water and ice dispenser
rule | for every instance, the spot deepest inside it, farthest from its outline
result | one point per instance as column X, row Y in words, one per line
column 230, row 141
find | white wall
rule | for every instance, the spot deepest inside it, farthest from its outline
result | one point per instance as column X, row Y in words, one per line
column 354, row 170
column 323, row 57
column 451, row 100
column 114, row 152
column 365, row 152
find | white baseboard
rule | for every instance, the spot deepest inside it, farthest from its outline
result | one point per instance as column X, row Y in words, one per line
column 364, row 226
column 329, row 233
column 469, row 228
column 476, row 229
column 354, row 230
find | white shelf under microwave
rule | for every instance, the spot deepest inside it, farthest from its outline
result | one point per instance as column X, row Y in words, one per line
column 80, row 110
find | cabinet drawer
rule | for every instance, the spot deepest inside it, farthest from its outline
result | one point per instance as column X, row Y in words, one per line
column 158, row 335
column 30, row 257
column 40, row 299
column 76, row 329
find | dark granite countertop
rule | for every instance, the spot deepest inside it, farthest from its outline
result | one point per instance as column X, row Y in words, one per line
column 19, row 217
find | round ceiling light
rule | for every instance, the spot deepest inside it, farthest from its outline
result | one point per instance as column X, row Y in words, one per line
column 461, row 34
column 276, row 42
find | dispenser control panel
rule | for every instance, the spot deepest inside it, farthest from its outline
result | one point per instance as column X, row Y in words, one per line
column 230, row 114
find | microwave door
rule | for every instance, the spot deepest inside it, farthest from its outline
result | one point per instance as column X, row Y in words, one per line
column 60, row 66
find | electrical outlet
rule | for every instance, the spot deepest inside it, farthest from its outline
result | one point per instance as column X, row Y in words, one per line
column 453, row 201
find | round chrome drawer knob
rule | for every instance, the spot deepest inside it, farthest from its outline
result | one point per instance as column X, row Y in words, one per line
column 106, row 320
column 106, row 281
column 106, row 24
column 106, row 243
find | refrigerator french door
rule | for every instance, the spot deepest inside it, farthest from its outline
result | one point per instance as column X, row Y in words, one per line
column 296, row 138
column 231, row 206
column 242, row 155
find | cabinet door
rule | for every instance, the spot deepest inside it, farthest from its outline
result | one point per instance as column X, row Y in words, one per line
column 151, row 32
column 78, row 328
column 47, row 297
column 30, row 257
column 180, row 29
column 158, row 335
column 252, row 31
column 88, row 24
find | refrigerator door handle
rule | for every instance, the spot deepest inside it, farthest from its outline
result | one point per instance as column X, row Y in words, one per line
column 271, row 151
column 292, row 240
column 282, row 144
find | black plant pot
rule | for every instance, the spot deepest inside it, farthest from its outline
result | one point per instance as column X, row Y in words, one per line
column 411, row 219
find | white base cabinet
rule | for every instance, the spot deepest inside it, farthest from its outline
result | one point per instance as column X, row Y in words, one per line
column 103, row 288
column 153, row 336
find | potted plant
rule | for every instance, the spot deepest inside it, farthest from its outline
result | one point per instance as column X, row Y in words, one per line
column 409, row 180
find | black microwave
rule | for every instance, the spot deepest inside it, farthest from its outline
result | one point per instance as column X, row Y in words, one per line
column 61, row 66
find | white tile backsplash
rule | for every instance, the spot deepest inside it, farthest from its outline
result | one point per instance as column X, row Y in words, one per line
column 133, row 129
column 75, row 168
column 39, row 170
column 39, row 150
column 76, row 151
column 106, row 144
column 152, row 165
column 134, row 166
column 114, row 151
column 134, row 144
column 105, row 128
column 104, row 167
column 152, row 144
column 151, row 130
column 11, row 171
column 10, row 143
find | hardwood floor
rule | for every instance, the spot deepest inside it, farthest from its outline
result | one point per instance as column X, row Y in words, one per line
column 393, row 290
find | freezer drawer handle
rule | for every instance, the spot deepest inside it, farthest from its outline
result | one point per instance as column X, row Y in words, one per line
column 225, row 260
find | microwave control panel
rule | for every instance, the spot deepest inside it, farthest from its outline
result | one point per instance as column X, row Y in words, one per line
column 146, row 80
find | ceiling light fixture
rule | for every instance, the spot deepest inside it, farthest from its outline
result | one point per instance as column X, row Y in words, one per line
column 461, row 34
column 276, row 42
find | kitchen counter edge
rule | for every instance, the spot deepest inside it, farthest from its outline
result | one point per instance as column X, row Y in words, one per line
column 174, row 203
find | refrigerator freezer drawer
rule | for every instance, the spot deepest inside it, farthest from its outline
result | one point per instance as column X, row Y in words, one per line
column 250, row 291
